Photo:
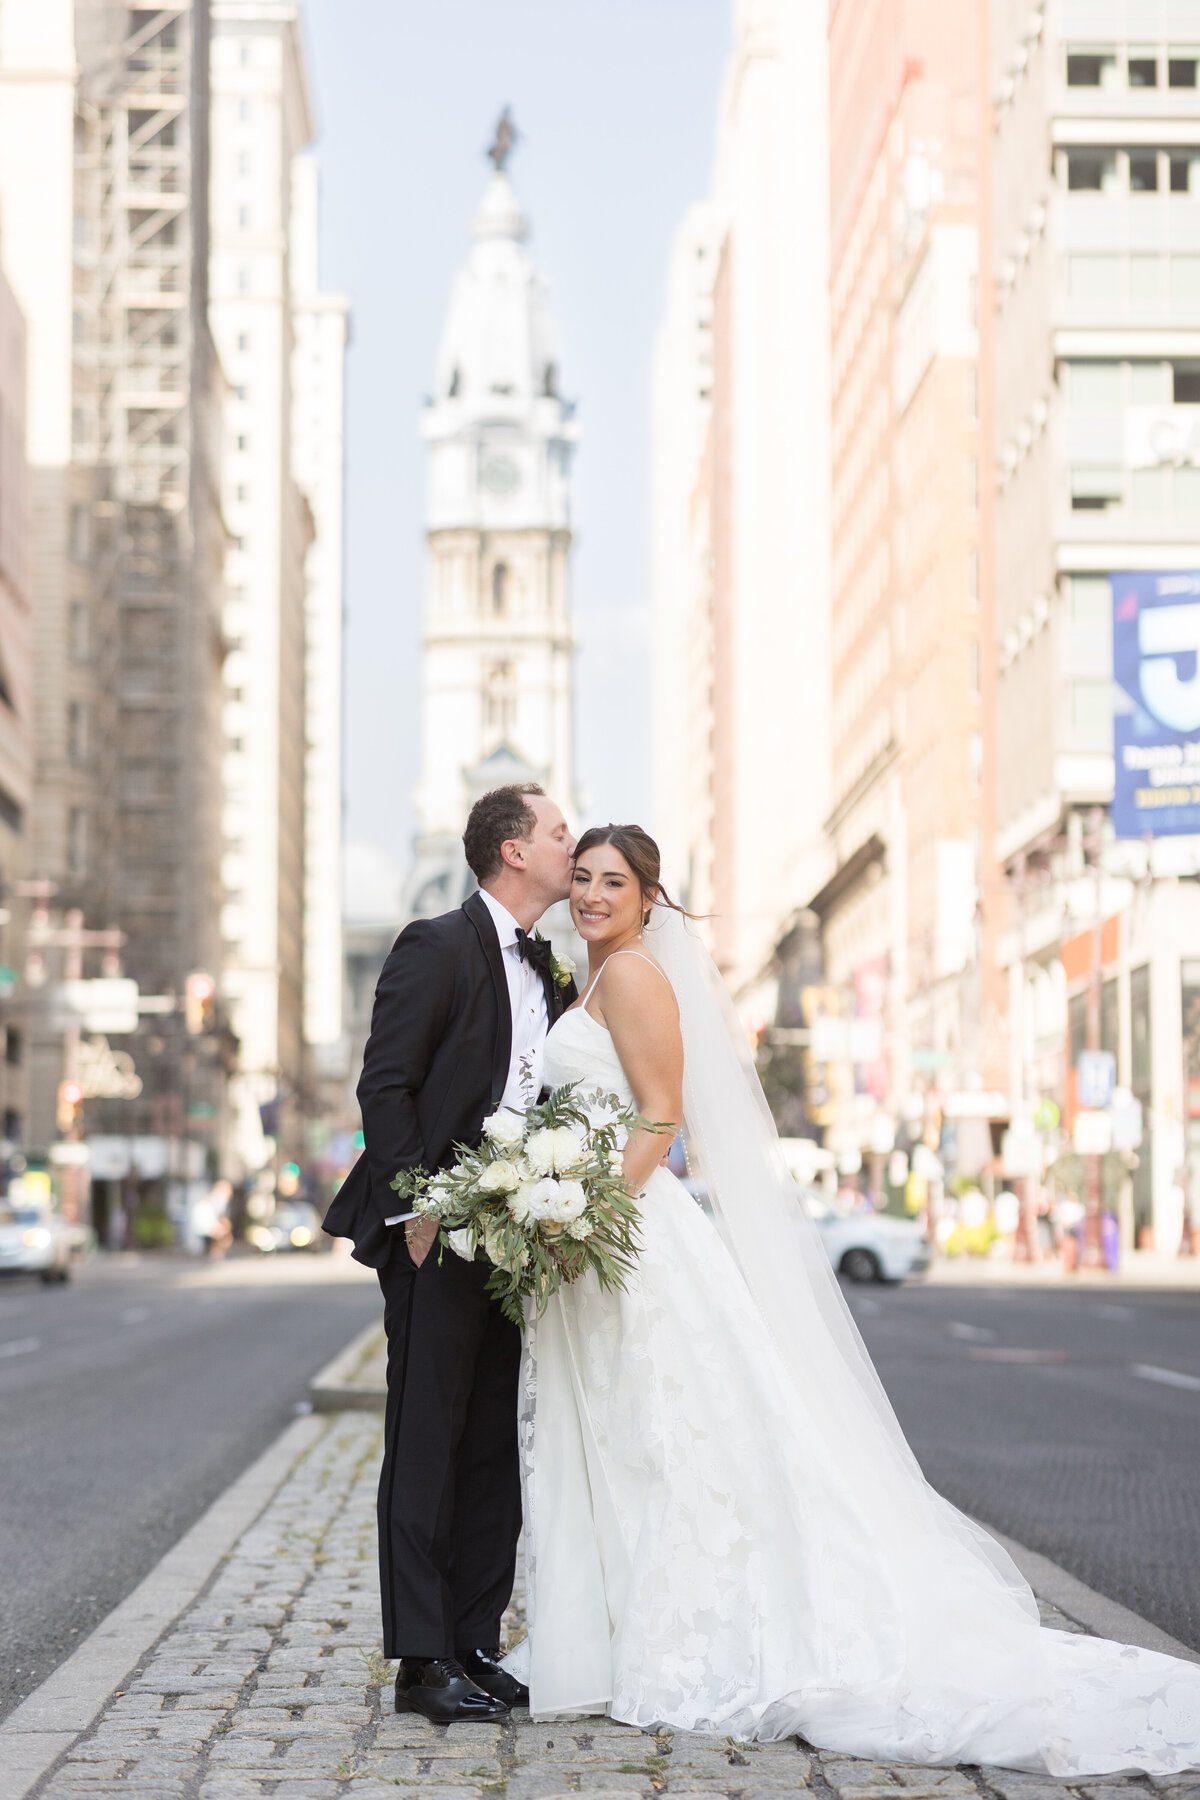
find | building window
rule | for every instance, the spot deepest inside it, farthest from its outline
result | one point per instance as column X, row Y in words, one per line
column 1152, row 490
column 80, row 632
column 499, row 587
column 1091, row 66
column 1091, row 714
column 973, row 483
column 243, row 442
column 973, row 395
column 13, row 1047
column 81, row 534
column 973, row 578
column 1094, row 277
column 12, row 1125
column 243, row 162
column 1090, row 599
column 500, row 700
column 1143, row 171
column 244, row 55
column 1145, row 278
column 1150, row 383
column 973, row 667
column 77, row 842
column 1096, row 490
column 975, row 760
column 1094, row 383
column 244, row 111
column 1185, row 172
column 243, row 280
column 77, row 733
column 243, row 218
column 1185, row 280
column 243, row 342
column 243, row 492
column 1143, row 69
column 1092, row 171
column 1181, row 68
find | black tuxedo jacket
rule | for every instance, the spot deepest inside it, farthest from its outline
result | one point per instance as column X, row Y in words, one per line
column 435, row 1064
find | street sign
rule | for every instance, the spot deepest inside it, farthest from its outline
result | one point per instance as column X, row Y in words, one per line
column 1093, row 1134
column 108, row 1004
column 1095, row 1078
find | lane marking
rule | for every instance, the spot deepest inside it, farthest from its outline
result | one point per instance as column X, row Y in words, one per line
column 1167, row 1377
column 971, row 1334
column 1020, row 1356
column 133, row 1315
column 22, row 1347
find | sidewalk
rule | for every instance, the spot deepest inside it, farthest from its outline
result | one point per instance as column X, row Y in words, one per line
column 1139, row 1269
column 270, row 1681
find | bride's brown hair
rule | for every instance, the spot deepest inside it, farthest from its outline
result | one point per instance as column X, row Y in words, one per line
column 640, row 852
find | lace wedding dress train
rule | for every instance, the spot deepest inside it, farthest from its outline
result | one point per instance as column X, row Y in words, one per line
column 722, row 1540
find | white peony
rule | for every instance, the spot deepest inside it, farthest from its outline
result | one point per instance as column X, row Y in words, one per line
column 500, row 1177
column 569, row 1203
column 541, row 1199
column 554, row 1151
column 505, row 1128
column 463, row 1242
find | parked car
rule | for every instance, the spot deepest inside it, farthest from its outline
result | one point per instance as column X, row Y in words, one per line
column 35, row 1241
column 863, row 1246
column 294, row 1225
column 868, row 1246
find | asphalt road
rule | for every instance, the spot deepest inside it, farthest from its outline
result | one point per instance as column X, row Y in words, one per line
column 129, row 1400
column 1068, row 1421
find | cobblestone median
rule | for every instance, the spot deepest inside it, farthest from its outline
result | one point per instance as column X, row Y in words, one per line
column 273, row 1684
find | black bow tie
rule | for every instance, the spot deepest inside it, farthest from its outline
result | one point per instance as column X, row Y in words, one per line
column 534, row 950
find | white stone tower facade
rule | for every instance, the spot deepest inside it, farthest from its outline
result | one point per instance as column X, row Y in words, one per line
column 498, row 646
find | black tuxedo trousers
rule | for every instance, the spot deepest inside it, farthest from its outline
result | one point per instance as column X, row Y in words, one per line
column 449, row 1490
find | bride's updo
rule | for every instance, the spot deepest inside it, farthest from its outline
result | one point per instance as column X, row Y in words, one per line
column 641, row 853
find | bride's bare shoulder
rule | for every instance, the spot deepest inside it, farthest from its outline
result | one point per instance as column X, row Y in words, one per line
column 637, row 978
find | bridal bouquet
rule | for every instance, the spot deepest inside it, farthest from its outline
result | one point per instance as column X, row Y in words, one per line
column 542, row 1199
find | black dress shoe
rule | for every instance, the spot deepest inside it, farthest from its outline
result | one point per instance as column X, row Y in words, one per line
column 483, row 1666
column 442, row 1691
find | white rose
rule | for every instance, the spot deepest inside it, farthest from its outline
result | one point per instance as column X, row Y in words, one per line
column 505, row 1128
column 500, row 1177
column 463, row 1243
column 492, row 1245
column 554, row 1151
column 570, row 1203
column 541, row 1199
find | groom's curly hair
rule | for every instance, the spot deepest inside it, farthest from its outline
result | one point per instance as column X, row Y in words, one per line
column 492, row 821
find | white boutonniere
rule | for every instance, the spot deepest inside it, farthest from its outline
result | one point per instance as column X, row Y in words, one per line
column 561, row 967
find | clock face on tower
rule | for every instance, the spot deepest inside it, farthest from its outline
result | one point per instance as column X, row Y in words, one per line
column 501, row 475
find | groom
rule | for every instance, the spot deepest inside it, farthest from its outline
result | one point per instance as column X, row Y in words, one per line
column 461, row 1013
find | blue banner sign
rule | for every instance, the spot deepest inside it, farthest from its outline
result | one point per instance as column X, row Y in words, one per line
column 1156, row 739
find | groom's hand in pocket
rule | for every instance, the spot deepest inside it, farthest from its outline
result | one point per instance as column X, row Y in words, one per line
column 420, row 1235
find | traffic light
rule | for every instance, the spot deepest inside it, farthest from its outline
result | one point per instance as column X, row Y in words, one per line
column 198, row 1002
column 70, row 1099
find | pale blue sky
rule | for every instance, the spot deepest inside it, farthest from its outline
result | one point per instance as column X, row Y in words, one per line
column 616, row 103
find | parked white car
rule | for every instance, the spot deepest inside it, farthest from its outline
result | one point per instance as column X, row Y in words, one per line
column 35, row 1241
column 868, row 1246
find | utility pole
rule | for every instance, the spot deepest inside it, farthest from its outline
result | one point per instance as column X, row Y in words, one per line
column 1092, row 1256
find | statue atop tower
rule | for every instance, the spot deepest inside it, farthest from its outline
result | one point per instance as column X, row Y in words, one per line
column 496, row 687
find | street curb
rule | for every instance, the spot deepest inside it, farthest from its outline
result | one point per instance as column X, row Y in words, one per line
column 49, row 1721
column 1096, row 1612
column 333, row 1389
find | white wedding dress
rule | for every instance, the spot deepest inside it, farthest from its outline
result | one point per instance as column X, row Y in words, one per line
column 722, row 1539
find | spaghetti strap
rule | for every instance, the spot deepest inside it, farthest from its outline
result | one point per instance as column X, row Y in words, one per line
column 605, row 963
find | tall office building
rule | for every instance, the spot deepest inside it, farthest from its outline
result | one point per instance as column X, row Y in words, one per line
column 898, row 907
column 741, row 507
column 1096, row 199
column 261, row 122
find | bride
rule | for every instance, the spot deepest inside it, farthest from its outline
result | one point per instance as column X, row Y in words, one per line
column 725, row 1530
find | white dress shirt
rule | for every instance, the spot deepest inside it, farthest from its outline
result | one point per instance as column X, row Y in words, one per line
column 527, row 1000
column 530, row 1019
